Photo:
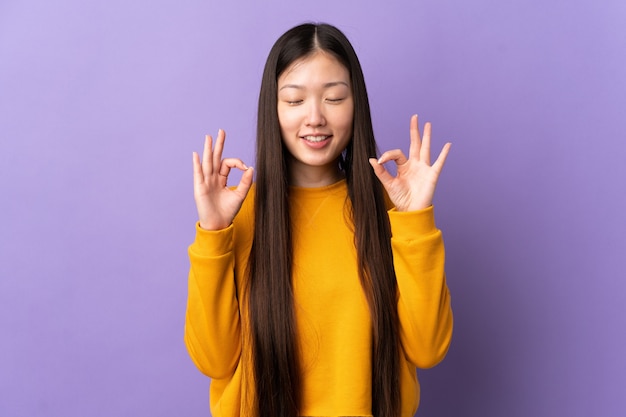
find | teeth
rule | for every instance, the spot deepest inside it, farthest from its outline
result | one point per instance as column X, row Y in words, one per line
column 315, row 138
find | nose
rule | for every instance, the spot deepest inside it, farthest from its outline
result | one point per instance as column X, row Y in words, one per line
column 315, row 116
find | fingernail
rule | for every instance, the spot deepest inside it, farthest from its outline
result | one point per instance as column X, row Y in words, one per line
column 245, row 166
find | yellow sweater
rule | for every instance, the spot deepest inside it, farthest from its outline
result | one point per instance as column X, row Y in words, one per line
column 332, row 316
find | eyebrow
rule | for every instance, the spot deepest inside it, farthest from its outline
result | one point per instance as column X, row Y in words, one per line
column 327, row 85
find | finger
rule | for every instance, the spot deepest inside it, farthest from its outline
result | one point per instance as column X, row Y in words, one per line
column 225, row 167
column 441, row 159
column 207, row 167
column 219, row 147
column 245, row 182
column 198, row 178
column 416, row 142
column 383, row 175
column 229, row 163
column 425, row 148
column 394, row 155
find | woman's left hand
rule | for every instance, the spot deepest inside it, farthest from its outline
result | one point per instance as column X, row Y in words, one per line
column 414, row 185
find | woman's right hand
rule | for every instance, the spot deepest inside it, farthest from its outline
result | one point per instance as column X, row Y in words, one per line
column 216, row 203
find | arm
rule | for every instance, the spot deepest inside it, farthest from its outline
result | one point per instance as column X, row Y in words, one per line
column 212, row 326
column 424, row 301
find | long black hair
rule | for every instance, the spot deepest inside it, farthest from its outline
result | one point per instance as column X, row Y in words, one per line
column 277, row 376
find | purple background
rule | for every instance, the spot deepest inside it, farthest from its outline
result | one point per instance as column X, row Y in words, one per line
column 102, row 103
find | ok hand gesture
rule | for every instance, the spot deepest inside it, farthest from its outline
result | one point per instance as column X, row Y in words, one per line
column 216, row 203
column 414, row 185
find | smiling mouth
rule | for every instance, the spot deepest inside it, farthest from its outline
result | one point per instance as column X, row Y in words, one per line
column 315, row 139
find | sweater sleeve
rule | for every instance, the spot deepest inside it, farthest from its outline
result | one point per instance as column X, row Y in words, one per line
column 212, row 326
column 424, row 307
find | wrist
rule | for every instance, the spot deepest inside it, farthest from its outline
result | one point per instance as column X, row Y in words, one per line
column 423, row 205
column 212, row 225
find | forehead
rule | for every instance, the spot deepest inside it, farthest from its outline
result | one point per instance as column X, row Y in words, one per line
column 321, row 67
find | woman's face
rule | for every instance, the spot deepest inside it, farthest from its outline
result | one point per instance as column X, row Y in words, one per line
column 315, row 112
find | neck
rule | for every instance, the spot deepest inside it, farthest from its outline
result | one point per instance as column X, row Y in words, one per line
column 311, row 176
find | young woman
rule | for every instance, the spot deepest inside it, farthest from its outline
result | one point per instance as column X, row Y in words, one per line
column 317, row 290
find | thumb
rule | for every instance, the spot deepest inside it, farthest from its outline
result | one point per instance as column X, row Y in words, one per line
column 246, row 182
column 381, row 172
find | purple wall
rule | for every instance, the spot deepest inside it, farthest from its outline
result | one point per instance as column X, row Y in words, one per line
column 102, row 103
